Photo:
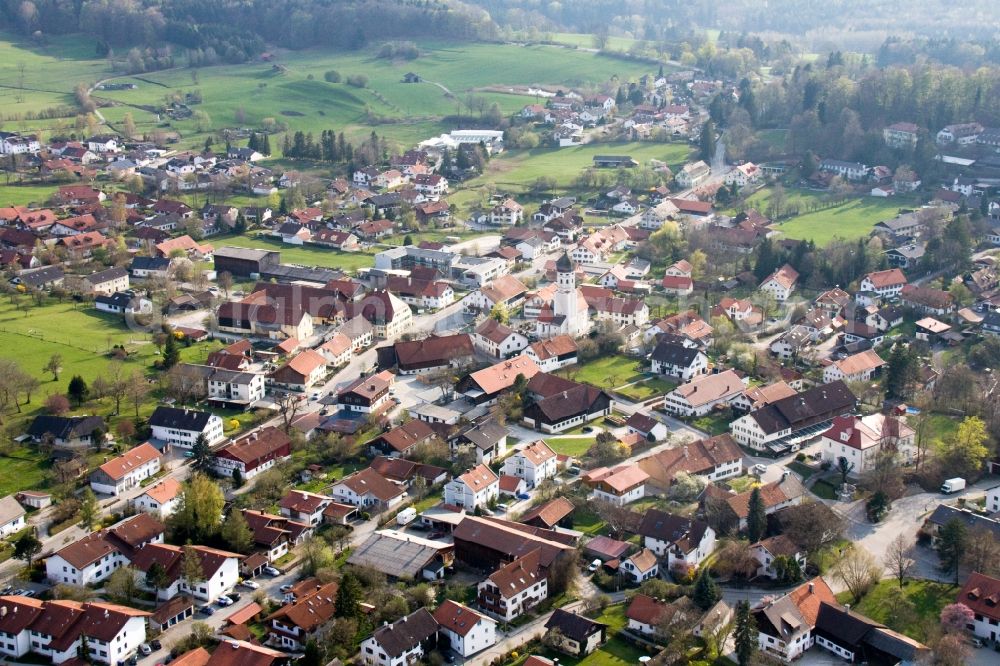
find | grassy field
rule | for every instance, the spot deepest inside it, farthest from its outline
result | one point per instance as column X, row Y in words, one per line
column 297, row 92
column 647, row 389
column 24, row 468
column 571, row 446
column 927, row 598
column 615, row 652
column 851, row 219
column 303, row 255
column 24, row 195
column 606, row 372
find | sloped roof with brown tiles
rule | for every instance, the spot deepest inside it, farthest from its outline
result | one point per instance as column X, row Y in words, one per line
column 404, row 437
column 406, row 633
column 241, row 653
column 779, row 546
column 697, row 457
column 503, row 289
column 457, row 618
column 927, row 296
column 87, row 550
column 505, row 537
column 301, row 501
column 137, row 530
column 196, row 657
column 772, row 494
column 493, row 330
column 510, row 484
column 554, row 347
column 887, row 278
column 309, row 610
column 710, row 388
column 117, row 468
column 368, row 481
column 17, row 613
column 765, row 395
column 620, row 479
column 537, row 452
column 645, row 609
column 479, row 477
column 502, row 375
column 104, row 621
column 786, row 276
column 550, row 513
column 644, row 560
column 513, row 578
column 256, row 444
column 860, row 362
column 164, row 490
column 244, row 614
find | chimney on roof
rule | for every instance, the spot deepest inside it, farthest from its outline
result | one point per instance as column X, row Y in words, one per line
column 685, row 451
column 812, row 588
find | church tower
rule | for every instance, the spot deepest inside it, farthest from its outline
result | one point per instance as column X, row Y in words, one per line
column 565, row 303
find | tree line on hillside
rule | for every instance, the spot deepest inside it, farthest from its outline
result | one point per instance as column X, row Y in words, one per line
column 335, row 148
column 657, row 19
column 236, row 31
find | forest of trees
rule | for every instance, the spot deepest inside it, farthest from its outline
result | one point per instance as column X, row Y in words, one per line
column 237, row 30
column 791, row 17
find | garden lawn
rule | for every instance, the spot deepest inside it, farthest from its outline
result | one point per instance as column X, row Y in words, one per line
column 571, row 446
column 302, row 255
column 646, row 389
column 852, row 219
column 616, row 652
column 605, row 372
column 928, row 598
column 23, row 195
column 24, row 468
column 825, row 489
column 713, row 423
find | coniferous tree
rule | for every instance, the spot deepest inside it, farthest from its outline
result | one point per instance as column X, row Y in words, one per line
column 745, row 634
column 706, row 593
column 171, row 354
column 757, row 519
column 78, row 390
column 201, row 455
column 348, row 603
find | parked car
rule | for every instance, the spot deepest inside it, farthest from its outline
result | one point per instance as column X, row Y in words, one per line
column 223, row 601
column 523, row 496
column 594, row 566
column 249, row 584
column 286, row 588
column 155, row 644
column 145, row 649
column 235, row 596
column 133, row 660
column 271, row 571
column 206, row 610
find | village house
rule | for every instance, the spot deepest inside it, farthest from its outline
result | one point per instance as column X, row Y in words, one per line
column 861, row 440
column 776, row 425
column 476, row 488
column 220, row 571
column 252, row 453
column 466, row 631
column 161, row 498
column 368, row 489
column 785, row 625
column 291, row 626
column 767, row 551
column 403, row 440
column 534, row 463
column 704, row 393
column 126, row 471
column 781, row 283
column 11, row 516
column 498, row 340
column 885, row 284
column 554, row 353
column 860, row 367
column 692, row 174
column 619, row 485
column 677, row 361
column 713, row 459
column 402, row 642
column 62, row 630
column 367, row 395
column 576, row 635
column 514, row 588
column 682, row 542
column 182, row 427
column 302, row 372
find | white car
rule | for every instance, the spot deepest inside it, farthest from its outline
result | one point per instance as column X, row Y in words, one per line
column 250, row 584
column 594, row 565
column 224, row 601
column 287, row 587
column 145, row 649
column 271, row 571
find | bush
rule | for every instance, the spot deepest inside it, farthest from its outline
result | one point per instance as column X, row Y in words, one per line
column 357, row 80
column 332, row 76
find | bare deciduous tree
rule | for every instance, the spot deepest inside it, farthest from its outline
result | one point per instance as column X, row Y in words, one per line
column 858, row 570
column 897, row 558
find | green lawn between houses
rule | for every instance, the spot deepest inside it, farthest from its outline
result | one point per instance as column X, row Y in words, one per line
column 308, row 255
column 606, row 372
column 849, row 220
column 615, row 652
column 928, row 598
